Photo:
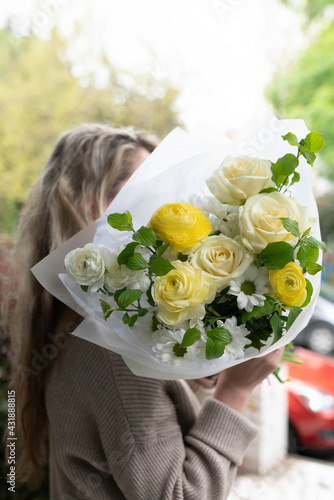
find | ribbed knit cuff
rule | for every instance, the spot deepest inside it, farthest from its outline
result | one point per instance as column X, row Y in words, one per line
column 224, row 429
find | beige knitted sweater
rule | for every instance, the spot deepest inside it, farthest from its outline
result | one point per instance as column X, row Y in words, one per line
column 117, row 436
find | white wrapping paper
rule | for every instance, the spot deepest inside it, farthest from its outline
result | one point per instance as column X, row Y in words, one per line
column 176, row 170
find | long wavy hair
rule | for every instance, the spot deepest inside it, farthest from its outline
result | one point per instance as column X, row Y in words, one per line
column 85, row 171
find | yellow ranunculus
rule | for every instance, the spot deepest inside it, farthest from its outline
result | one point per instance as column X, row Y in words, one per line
column 289, row 284
column 182, row 293
column 181, row 225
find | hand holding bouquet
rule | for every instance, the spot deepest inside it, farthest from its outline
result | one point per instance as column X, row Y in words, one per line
column 211, row 276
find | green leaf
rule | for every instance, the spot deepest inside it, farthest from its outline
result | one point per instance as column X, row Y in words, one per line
column 295, row 178
column 308, row 155
column 291, row 138
column 121, row 222
column 161, row 249
column 107, row 309
column 132, row 320
column 118, row 293
column 309, row 290
column 145, row 236
column 125, row 318
column 136, row 262
column 277, row 326
column 314, row 142
column 305, row 233
column 307, row 255
column 268, row 190
column 213, row 349
column 128, row 297
column 161, row 266
column 127, row 253
column 191, row 336
column 218, row 338
column 286, row 165
column 256, row 341
column 313, row 242
column 149, row 297
column 259, row 312
column 314, row 268
column 142, row 312
column 276, row 255
column 84, row 288
column 291, row 226
column 293, row 315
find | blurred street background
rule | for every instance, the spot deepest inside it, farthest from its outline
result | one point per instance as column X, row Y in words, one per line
column 155, row 65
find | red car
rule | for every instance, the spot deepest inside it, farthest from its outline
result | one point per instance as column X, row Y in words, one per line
column 311, row 403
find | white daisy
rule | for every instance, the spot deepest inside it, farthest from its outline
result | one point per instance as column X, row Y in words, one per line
column 168, row 348
column 237, row 345
column 250, row 288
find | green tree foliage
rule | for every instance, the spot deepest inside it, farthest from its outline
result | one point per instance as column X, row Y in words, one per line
column 305, row 90
column 40, row 97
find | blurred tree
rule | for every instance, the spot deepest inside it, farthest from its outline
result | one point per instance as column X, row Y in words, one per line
column 40, row 97
column 304, row 88
column 313, row 9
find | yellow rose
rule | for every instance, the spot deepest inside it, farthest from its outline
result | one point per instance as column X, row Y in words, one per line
column 289, row 284
column 240, row 177
column 259, row 219
column 223, row 258
column 181, row 225
column 182, row 293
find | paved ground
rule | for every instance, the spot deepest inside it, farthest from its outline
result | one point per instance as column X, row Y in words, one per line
column 294, row 478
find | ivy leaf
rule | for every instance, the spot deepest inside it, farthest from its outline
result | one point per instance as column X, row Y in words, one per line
column 314, row 142
column 277, row 326
column 107, row 309
column 291, row 138
column 121, row 222
column 145, row 236
column 276, row 255
column 136, row 262
column 293, row 315
column 307, row 255
column 314, row 268
column 191, row 336
column 127, row 253
column 128, row 297
column 161, row 266
column 291, row 226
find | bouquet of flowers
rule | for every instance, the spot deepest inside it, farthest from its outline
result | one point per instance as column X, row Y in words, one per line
column 208, row 280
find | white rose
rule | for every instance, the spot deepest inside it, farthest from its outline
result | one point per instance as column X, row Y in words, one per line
column 87, row 265
column 120, row 276
column 238, row 178
column 260, row 223
column 222, row 258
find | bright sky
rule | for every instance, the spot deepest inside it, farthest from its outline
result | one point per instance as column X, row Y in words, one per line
column 221, row 53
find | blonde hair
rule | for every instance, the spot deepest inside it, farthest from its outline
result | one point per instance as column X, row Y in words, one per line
column 85, row 171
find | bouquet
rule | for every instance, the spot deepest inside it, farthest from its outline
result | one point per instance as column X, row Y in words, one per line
column 208, row 280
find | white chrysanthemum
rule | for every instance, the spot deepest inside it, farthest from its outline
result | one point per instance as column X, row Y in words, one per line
column 223, row 217
column 250, row 288
column 169, row 350
column 239, row 340
column 120, row 276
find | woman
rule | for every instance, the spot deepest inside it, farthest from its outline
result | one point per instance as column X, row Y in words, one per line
column 110, row 434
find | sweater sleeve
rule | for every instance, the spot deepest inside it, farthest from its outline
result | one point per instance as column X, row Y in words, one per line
column 162, row 450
